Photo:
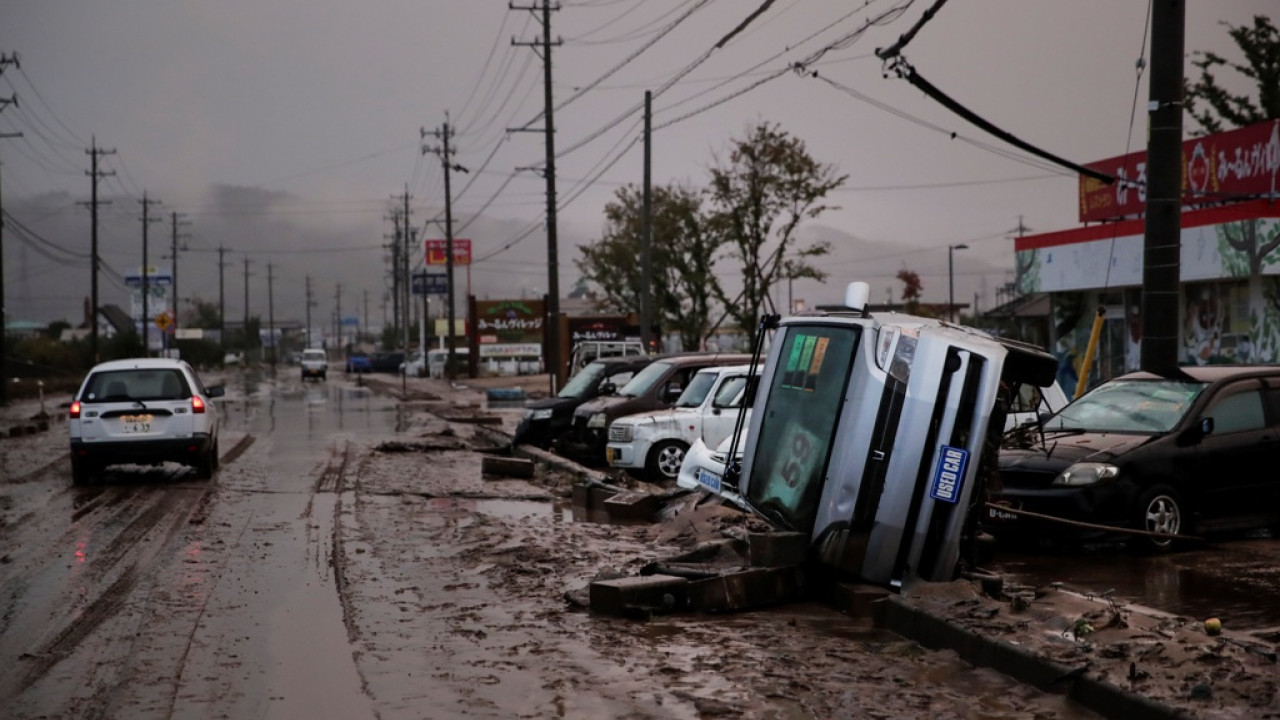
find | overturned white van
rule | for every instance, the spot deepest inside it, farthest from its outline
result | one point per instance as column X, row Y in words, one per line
column 869, row 433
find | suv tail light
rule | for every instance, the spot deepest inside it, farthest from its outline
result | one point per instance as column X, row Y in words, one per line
column 197, row 404
column 75, row 410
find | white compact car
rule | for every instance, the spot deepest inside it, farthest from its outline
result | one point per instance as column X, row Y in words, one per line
column 145, row 411
column 652, row 445
column 703, row 468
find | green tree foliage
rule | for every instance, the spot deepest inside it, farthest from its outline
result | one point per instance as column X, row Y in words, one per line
column 682, row 257
column 1216, row 109
column 760, row 194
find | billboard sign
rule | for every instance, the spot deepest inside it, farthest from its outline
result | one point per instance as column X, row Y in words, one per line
column 425, row 283
column 1235, row 165
column 437, row 252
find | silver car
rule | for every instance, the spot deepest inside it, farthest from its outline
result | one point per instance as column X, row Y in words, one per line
column 145, row 411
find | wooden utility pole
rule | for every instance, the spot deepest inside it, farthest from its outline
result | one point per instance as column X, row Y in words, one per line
column 1162, row 235
column 646, row 253
column 271, row 314
column 244, row 332
column 95, row 154
column 146, row 272
column 173, row 256
column 4, row 308
column 222, row 299
column 446, row 154
column 554, row 365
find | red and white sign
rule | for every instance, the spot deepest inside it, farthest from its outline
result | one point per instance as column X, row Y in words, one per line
column 437, row 252
column 1233, row 165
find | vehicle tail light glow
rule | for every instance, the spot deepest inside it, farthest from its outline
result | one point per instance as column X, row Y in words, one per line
column 75, row 409
column 197, row 404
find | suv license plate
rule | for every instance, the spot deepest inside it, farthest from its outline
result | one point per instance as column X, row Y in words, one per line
column 709, row 479
column 135, row 424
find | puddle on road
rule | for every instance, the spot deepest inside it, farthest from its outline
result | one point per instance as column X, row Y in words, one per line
column 1223, row 580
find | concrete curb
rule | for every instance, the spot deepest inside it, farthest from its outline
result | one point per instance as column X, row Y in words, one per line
column 896, row 614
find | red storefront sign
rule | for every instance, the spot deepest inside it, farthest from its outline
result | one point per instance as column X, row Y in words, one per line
column 437, row 252
column 1233, row 165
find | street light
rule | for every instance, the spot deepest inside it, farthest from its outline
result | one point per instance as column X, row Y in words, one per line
column 951, row 280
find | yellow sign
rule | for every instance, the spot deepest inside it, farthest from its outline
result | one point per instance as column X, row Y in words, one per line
column 164, row 321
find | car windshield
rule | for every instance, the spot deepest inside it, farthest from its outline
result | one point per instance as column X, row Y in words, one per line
column 697, row 391
column 1129, row 406
column 582, row 381
column 645, row 379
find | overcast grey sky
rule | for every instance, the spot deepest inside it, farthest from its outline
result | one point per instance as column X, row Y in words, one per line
column 284, row 129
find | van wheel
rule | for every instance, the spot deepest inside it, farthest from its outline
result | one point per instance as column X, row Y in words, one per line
column 665, row 459
column 1158, row 510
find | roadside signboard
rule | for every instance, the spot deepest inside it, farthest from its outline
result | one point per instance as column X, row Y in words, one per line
column 437, row 252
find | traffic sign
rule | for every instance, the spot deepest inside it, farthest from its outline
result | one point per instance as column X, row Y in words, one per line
column 164, row 321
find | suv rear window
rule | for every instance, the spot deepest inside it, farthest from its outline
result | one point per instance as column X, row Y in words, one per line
column 123, row 385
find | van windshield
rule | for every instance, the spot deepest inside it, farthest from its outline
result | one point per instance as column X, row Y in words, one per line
column 582, row 381
column 802, row 404
column 697, row 391
column 645, row 379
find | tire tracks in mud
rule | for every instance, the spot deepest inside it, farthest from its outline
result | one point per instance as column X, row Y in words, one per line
column 334, row 478
column 117, row 538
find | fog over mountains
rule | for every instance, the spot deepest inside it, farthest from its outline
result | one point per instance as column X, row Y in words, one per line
column 285, row 239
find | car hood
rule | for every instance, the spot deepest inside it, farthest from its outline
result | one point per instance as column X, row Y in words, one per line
column 554, row 403
column 657, row 417
column 1062, row 449
column 600, row 404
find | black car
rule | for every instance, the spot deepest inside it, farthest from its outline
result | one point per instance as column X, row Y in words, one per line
column 547, row 419
column 1188, row 454
column 387, row 361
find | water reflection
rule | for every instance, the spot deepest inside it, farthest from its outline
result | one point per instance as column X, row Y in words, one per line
column 1225, row 581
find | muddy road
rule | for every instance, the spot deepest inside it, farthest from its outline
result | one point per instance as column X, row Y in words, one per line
column 350, row 560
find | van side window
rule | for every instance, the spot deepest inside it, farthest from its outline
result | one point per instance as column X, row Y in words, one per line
column 1236, row 412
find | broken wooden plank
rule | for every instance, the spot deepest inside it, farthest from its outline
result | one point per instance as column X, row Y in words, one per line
column 507, row 466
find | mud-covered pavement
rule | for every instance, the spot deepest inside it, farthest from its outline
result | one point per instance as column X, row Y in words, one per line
column 350, row 560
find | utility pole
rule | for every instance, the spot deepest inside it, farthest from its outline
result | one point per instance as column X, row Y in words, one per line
column 173, row 255
column 146, row 272
column 446, row 154
column 310, row 304
column 646, row 252
column 245, row 331
column 1162, row 232
column 549, row 129
column 95, row 154
column 4, row 308
column 403, row 268
column 271, row 315
column 337, row 313
column 222, row 299
column 395, row 267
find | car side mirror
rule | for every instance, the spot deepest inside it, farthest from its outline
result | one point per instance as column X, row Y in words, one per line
column 216, row 391
column 1197, row 432
column 608, row 388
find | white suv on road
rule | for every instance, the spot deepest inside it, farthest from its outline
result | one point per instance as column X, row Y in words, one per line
column 651, row 445
column 146, row 411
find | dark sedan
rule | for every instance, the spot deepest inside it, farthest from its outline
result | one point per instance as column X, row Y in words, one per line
column 547, row 419
column 1188, row 454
